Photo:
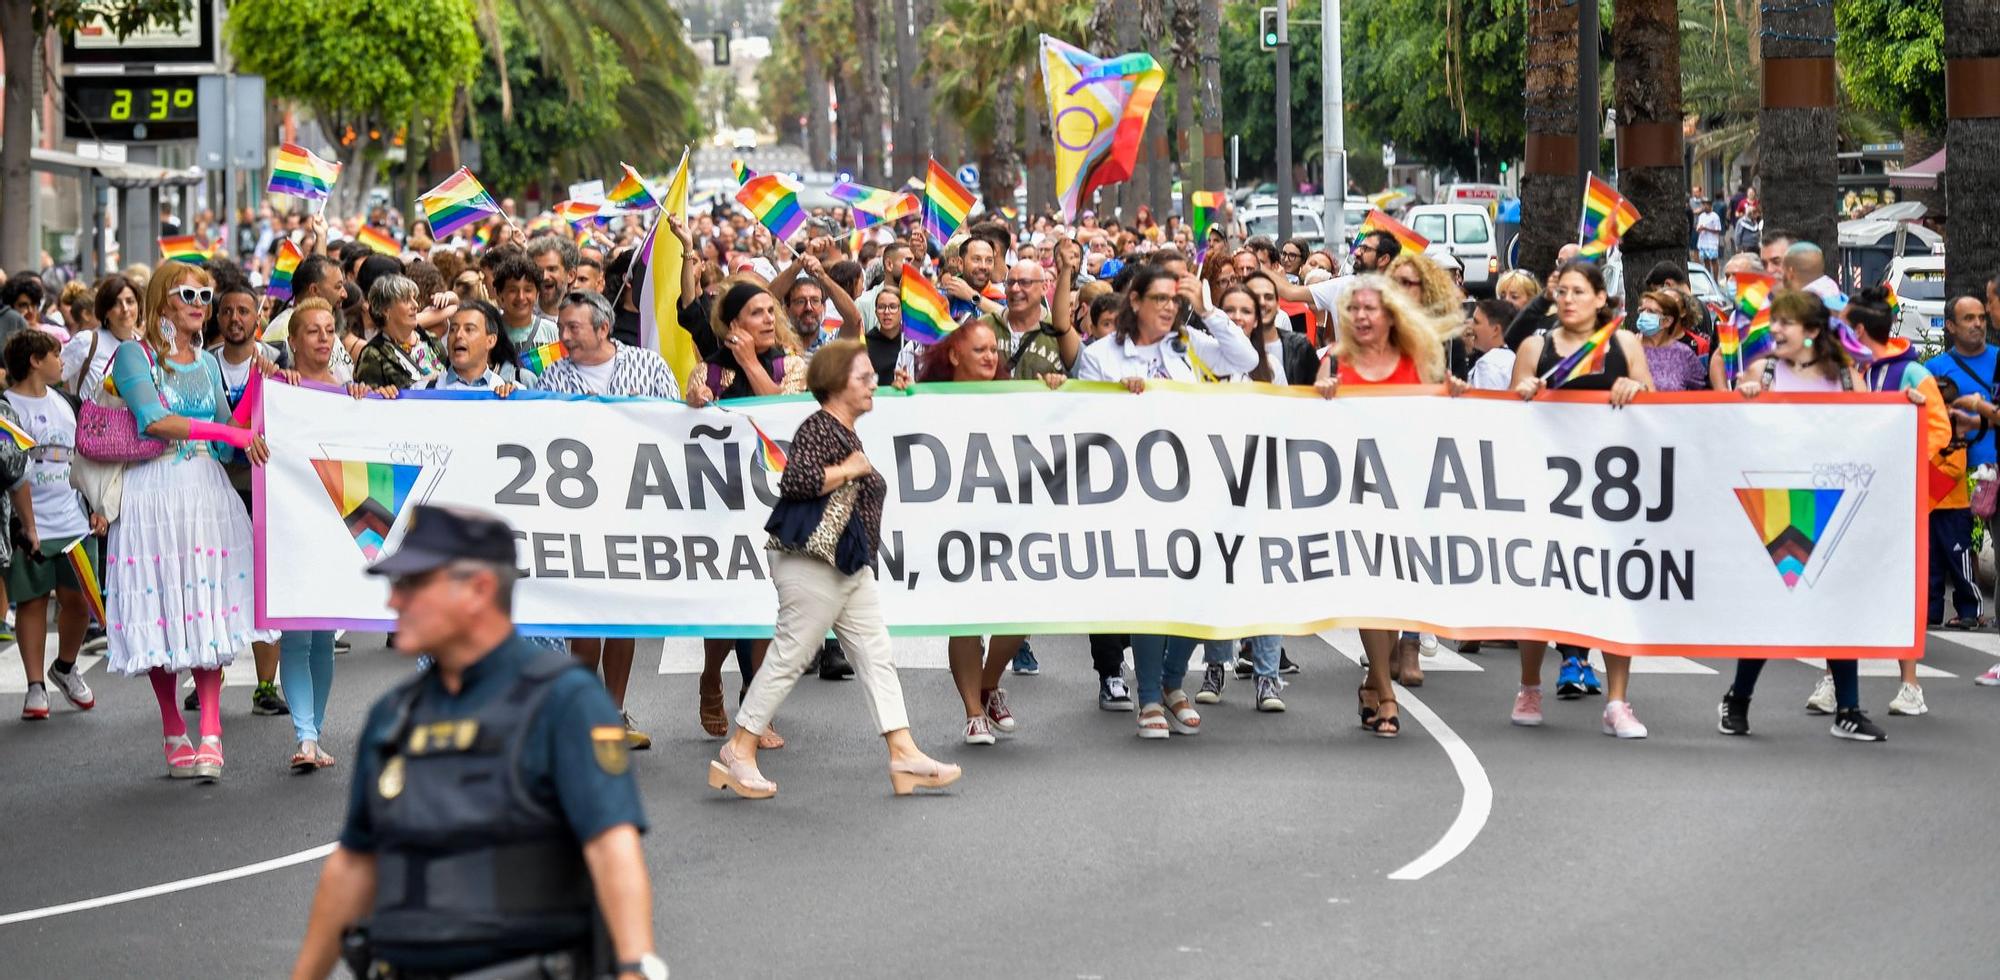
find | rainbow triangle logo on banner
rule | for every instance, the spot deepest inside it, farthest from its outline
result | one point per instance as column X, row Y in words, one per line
column 369, row 495
column 1790, row 522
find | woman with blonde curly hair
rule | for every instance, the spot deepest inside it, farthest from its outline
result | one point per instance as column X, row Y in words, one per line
column 1430, row 286
column 1383, row 338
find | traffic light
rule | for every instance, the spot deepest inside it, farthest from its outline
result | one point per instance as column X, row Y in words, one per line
column 1267, row 27
column 1503, row 168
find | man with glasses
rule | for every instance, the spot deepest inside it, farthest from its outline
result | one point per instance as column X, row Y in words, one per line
column 597, row 364
column 547, row 878
column 1372, row 254
column 1032, row 343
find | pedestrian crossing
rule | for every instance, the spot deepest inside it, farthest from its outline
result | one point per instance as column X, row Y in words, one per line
column 682, row 654
column 1348, row 644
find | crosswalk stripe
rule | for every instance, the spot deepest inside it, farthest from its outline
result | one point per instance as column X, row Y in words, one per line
column 14, row 677
column 1883, row 668
column 683, row 655
column 1984, row 641
column 1348, row 644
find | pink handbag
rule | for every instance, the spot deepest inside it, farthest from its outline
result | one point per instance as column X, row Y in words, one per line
column 110, row 434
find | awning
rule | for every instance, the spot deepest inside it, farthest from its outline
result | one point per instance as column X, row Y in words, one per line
column 124, row 176
column 1924, row 174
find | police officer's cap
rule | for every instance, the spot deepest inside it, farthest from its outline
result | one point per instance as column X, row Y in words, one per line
column 438, row 536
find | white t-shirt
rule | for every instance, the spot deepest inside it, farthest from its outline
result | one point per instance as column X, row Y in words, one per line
column 541, row 331
column 78, row 348
column 58, row 507
column 1709, row 225
column 597, row 376
column 1494, row 371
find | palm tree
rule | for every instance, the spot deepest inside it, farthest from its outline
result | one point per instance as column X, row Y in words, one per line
column 867, row 89
column 1972, row 189
column 1646, row 51
column 797, row 26
column 1797, row 131
column 1549, row 200
column 1185, row 31
column 1213, row 175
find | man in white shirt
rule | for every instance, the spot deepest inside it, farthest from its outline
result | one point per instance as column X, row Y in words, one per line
column 469, row 343
column 1372, row 254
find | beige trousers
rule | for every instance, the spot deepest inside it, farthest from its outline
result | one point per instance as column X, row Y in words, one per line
column 813, row 597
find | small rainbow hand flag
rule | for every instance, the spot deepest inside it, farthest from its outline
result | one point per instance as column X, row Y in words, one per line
column 1377, row 220
column 631, row 193
column 1587, row 359
column 542, row 358
column 1600, row 201
column 872, row 201
column 1753, row 291
column 86, row 576
column 300, row 173
column 22, row 440
column 378, row 240
column 281, row 270
column 1202, row 211
column 741, row 171
column 577, row 213
column 183, row 248
column 946, row 204
column 769, row 454
column 482, row 235
column 926, row 315
column 774, row 204
column 459, row 201
column 1610, row 232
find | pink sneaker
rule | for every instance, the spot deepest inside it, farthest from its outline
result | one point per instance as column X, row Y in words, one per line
column 180, row 757
column 1989, row 679
column 1620, row 721
column 1528, row 707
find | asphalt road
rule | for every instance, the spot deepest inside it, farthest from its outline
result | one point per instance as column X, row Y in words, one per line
column 1074, row 850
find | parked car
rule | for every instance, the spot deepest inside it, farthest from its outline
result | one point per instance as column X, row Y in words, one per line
column 1467, row 229
column 1919, row 284
column 1263, row 220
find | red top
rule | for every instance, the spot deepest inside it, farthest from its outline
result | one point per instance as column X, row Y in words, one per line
column 1404, row 374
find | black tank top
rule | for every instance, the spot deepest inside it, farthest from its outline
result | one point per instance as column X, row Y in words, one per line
column 1614, row 365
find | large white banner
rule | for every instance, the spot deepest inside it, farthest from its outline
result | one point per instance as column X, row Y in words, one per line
column 1691, row 525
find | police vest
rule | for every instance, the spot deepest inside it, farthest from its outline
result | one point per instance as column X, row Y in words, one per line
column 467, row 856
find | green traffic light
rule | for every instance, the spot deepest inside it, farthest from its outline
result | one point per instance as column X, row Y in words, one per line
column 1271, row 39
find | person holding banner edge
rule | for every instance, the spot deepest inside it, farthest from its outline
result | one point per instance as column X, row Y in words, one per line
column 825, row 534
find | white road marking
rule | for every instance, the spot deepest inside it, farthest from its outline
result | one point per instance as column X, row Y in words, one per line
column 1446, row 661
column 150, row 891
column 682, row 654
column 1476, row 797
column 1984, row 641
column 1875, row 667
column 1656, row 665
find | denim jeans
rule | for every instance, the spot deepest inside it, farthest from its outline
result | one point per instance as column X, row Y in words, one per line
column 1264, row 652
column 1159, row 663
column 1846, row 680
column 305, row 669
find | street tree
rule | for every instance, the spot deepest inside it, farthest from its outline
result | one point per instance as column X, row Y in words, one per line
column 1646, row 53
column 1797, row 128
column 1549, row 198
column 1972, row 131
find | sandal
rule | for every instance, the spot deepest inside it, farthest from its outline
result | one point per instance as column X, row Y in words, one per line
column 1185, row 720
column 1365, row 694
column 1153, row 722
column 770, row 739
column 321, row 759
column 1388, row 725
column 306, row 759
column 713, row 721
column 1963, row 624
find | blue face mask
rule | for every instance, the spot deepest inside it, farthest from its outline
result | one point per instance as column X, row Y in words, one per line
column 1649, row 323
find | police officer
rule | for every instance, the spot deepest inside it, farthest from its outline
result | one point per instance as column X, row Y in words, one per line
column 493, row 827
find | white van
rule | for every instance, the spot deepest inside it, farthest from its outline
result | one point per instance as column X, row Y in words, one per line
column 1467, row 230
column 1919, row 284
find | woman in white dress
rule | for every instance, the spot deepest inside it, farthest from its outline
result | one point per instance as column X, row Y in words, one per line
column 177, row 568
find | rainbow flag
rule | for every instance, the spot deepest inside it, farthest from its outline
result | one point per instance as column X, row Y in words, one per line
column 1203, row 207
column 183, row 248
column 459, row 201
column 946, row 204
column 86, row 576
column 741, row 171
column 1377, row 220
column 22, row 440
column 369, row 496
column 1753, row 291
column 542, row 358
column 774, row 204
column 1790, row 523
column 1610, row 232
column 482, row 234
column 1097, row 114
column 873, row 201
column 631, row 193
column 281, row 270
column 926, row 315
column 769, row 454
column 1600, row 201
column 577, row 213
column 1587, row 359
column 300, row 173
column 378, row 240
column 1740, row 340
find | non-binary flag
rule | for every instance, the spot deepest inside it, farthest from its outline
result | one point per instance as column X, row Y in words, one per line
column 300, row 173
column 183, row 248
column 287, row 262
column 86, row 576
column 946, row 204
column 926, row 315
column 774, row 204
column 660, row 327
column 459, row 201
column 1587, row 359
column 378, row 240
column 540, row 359
column 369, row 495
column 1378, row 220
column 1097, row 113
column 631, row 193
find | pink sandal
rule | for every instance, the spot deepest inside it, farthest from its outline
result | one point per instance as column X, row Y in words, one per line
column 738, row 776
column 180, row 757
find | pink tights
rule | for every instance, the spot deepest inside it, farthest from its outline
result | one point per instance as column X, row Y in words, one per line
column 207, row 686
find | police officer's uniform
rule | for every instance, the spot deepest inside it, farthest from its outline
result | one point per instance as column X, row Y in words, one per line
column 476, row 804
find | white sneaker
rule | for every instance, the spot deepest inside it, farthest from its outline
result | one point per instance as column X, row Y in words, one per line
column 72, row 687
column 1989, row 679
column 1909, row 700
column 1821, row 702
column 36, row 706
column 1427, row 644
column 1620, row 721
column 978, row 732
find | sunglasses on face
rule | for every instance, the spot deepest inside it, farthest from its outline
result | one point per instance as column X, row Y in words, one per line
column 193, row 295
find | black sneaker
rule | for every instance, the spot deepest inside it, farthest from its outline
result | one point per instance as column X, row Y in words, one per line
column 833, row 665
column 94, row 640
column 1853, row 724
column 1244, row 668
column 1211, row 685
column 1285, row 664
column 192, row 702
column 1734, row 715
column 341, row 647
column 265, row 700
column 1112, row 696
